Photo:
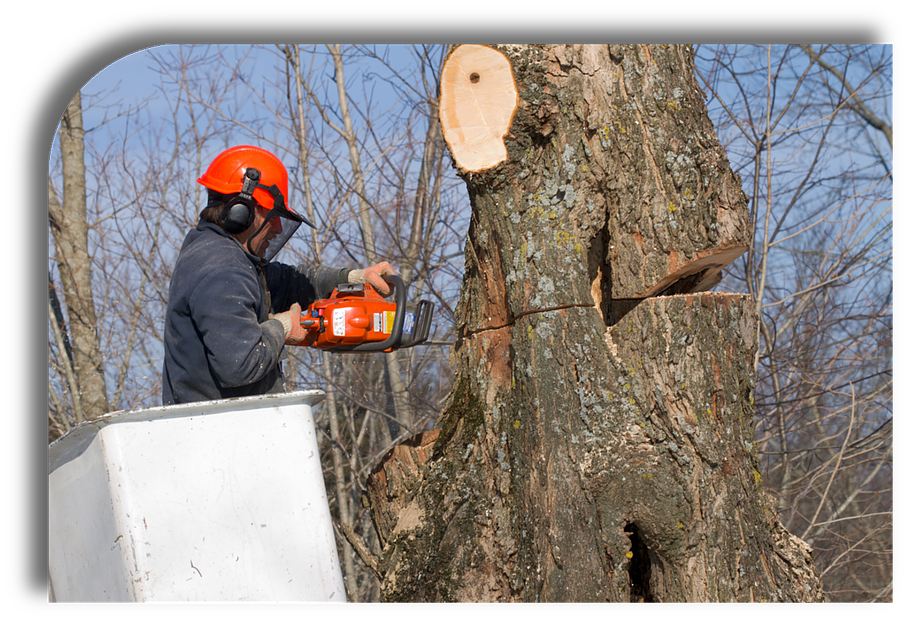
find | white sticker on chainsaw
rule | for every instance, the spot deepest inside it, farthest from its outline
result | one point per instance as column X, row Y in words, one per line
column 339, row 321
column 376, row 322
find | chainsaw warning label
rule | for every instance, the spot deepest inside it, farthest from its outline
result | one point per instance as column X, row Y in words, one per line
column 339, row 321
column 387, row 322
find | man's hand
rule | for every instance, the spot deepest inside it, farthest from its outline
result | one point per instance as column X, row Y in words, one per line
column 294, row 333
column 373, row 276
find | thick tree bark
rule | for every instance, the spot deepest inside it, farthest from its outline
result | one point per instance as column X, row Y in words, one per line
column 598, row 443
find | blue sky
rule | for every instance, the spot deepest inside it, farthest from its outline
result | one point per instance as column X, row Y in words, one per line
column 129, row 79
column 134, row 76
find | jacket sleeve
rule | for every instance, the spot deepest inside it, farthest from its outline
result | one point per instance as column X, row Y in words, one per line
column 239, row 349
column 303, row 284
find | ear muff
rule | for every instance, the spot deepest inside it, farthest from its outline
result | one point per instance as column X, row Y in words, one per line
column 238, row 216
column 239, row 212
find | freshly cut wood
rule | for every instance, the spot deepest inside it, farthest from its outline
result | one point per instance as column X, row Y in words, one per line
column 698, row 275
column 478, row 99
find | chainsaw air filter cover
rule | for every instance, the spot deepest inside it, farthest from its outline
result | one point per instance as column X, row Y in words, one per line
column 356, row 318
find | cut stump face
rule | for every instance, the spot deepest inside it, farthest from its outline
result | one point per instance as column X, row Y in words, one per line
column 478, row 100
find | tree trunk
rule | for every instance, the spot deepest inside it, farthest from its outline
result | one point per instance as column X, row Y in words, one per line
column 69, row 227
column 598, row 443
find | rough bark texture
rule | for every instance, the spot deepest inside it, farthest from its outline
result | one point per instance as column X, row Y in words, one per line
column 597, row 445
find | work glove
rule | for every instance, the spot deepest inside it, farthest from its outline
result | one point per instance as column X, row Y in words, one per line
column 294, row 333
column 373, row 276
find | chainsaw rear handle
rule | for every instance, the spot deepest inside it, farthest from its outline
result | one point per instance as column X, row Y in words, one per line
column 400, row 299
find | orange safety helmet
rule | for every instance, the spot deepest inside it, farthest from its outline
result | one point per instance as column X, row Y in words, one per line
column 253, row 176
column 228, row 171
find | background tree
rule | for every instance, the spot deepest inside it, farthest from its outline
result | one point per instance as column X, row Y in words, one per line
column 809, row 129
column 78, row 346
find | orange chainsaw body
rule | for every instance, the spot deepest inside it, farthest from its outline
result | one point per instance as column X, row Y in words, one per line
column 356, row 318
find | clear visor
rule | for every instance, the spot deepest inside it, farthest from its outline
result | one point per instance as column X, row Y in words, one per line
column 271, row 236
column 280, row 222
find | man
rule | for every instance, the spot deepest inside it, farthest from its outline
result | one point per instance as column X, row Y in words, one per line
column 220, row 338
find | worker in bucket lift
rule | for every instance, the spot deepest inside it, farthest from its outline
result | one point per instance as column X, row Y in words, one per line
column 220, row 337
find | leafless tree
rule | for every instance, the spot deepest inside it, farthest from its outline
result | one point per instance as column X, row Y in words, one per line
column 598, row 443
column 809, row 129
column 77, row 347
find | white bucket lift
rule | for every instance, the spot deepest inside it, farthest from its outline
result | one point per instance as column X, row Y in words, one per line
column 212, row 501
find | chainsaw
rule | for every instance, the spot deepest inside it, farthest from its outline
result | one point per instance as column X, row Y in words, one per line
column 356, row 318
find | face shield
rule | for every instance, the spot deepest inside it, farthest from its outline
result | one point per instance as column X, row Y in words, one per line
column 272, row 234
column 280, row 222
